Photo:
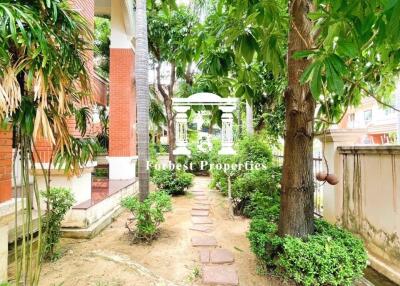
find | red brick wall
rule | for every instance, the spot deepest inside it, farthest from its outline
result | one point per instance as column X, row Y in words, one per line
column 5, row 165
column 86, row 9
column 122, row 103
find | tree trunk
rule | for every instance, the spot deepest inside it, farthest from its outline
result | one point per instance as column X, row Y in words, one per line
column 143, row 100
column 297, row 203
column 249, row 118
column 171, row 128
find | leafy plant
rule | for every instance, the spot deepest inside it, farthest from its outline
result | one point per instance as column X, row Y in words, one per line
column 265, row 182
column 253, row 151
column 332, row 256
column 147, row 215
column 171, row 181
column 58, row 201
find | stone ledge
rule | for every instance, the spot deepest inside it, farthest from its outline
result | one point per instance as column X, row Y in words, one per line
column 370, row 149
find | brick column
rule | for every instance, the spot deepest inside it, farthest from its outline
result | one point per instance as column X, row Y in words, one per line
column 5, row 165
column 122, row 149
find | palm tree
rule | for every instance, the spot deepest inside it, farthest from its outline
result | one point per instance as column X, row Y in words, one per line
column 142, row 92
column 43, row 81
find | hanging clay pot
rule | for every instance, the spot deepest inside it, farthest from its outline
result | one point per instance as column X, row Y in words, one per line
column 332, row 179
column 321, row 176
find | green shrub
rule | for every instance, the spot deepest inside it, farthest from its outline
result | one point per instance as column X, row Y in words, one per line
column 59, row 201
column 263, row 205
column 332, row 256
column 244, row 187
column 254, row 150
column 147, row 215
column 172, row 182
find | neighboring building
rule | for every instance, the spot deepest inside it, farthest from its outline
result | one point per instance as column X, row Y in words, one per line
column 379, row 123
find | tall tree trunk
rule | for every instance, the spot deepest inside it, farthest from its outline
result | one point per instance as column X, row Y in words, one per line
column 143, row 100
column 249, row 118
column 171, row 128
column 297, row 204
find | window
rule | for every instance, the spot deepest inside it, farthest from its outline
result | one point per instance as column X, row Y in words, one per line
column 367, row 115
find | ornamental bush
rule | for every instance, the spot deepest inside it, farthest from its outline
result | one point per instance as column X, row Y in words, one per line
column 171, row 181
column 332, row 256
column 265, row 183
column 245, row 182
column 59, row 201
column 147, row 215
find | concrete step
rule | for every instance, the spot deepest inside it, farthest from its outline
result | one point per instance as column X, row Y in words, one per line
column 11, row 225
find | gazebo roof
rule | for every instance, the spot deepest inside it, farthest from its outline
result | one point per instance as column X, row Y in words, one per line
column 205, row 98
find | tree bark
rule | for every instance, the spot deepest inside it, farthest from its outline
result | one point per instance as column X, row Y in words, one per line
column 297, row 203
column 167, row 99
column 143, row 100
column 249, row 118
column 171, row 128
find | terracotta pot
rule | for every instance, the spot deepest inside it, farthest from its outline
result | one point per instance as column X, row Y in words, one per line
column 332, row 179
column 321, row 176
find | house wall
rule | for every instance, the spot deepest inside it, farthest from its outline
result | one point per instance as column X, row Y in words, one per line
column 368, row 202
column 5, row 165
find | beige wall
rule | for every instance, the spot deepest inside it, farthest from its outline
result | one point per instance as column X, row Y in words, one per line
column 368, row 201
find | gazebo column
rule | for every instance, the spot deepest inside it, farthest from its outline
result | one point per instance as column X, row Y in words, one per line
column 181, row 126
column 227, row 131
column 122, row 147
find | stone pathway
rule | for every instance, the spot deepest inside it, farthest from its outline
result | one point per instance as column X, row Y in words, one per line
column 217, row 263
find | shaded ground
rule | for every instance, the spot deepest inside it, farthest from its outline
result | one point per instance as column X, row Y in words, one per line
column 110, row 259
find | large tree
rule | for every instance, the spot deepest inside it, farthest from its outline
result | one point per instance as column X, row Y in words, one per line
column 143, row 99
column 170, row 29
column 336, row 53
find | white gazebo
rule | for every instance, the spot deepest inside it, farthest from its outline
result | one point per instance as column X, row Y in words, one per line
column 182, row 105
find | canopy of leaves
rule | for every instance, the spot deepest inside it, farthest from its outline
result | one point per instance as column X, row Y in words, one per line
column 169, row 36
column 356, row 53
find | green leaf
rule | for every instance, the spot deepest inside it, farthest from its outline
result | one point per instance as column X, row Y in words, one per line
column 303, row 54
column 248, row 46
column 334, row 81
column 316, row 81
column 347, row 48
column 307, row 74
column 393, row 30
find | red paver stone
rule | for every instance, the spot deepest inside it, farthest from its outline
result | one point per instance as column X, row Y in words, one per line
column 204, row 241
column 201, row 220
column 201, row 228
column 204, row 256
column 220, row 275
column 200, row 213
column 220, row 256
column 200, row 208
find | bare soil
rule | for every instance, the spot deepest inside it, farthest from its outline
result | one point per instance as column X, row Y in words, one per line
column 170, row 257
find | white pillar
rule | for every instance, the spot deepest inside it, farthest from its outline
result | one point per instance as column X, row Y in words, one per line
column 181, row 126
column 227, row 130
